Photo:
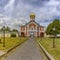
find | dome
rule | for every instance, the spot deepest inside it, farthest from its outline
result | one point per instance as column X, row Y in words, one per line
column 32, row 14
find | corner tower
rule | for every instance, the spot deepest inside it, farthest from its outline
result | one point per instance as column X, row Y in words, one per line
column 32, row 17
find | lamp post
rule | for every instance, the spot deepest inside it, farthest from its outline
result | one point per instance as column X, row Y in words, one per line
column 54, row 30
column 3, row 36
column 20, row 37
column 20, row 32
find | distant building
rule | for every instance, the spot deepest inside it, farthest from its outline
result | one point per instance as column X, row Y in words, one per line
column 8, row 34
column 32, row 28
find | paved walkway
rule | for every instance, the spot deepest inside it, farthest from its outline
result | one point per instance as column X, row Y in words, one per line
column 2, row 52
column 27, row 51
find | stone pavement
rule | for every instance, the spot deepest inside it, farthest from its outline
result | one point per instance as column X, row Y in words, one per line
column 2, row 52
column 27, row 51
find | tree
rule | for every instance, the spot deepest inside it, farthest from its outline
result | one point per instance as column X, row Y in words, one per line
column 49, row 29
column 6, row 29
column 14, row 30
column 55, row 24
column 13, row 35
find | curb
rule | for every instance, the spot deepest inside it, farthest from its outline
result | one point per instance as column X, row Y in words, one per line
column 45, row 52
column 2, row 53
column 9, row 50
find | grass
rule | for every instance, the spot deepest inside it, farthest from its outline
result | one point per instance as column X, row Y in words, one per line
column 0, row 58
column 11, row 42
column 48, row 45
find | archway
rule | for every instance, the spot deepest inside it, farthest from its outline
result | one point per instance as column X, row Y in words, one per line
column 22, row 34
column 41, row 34
column 31, row 34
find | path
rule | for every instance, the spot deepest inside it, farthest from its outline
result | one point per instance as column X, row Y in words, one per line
column 27, row 51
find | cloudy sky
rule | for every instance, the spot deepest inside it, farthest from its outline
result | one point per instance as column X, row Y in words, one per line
column 16, row 12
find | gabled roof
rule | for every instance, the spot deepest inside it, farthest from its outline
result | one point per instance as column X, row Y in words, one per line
column 30, row 22
column 23, row 26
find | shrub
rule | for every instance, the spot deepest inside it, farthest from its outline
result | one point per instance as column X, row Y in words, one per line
column 13, row 35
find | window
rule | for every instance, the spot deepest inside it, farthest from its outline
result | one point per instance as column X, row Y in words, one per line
column 31, row 28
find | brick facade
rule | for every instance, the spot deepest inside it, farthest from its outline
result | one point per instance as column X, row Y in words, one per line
column 32, row 28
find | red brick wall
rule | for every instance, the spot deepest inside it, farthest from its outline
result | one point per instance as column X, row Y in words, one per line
column 34, row 26
column 22, row 28
column 41, row 28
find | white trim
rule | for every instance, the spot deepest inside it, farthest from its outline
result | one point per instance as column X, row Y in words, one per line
column 20, row 31
column 25, row 30
column 33, row 23
column 39, row 31
column 33, row 30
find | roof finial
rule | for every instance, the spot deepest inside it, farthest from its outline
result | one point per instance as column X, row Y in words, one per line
column 32, row 16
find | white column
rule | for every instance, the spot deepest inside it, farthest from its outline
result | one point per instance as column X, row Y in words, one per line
column 36, row 30
column 39, row 31
column 25, row 31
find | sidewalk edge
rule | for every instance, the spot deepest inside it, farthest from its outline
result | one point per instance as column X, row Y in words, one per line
column 45, row 52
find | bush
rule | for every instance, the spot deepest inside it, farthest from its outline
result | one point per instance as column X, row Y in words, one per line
column 13, row 35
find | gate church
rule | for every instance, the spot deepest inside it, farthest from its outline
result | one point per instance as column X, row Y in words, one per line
column 32, row 28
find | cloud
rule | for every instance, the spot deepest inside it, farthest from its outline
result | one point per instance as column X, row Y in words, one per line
column 8, row 21
column 17, row 11
column 10, row 4
column 3, row 2
column 4, row 19
column 9, row 7
column 53, row 3
column 35, row 3
column 49, row 10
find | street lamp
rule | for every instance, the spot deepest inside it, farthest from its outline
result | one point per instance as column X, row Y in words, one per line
column 54, row 30
column 20, row 37
column 20, row 31
column 3, row 36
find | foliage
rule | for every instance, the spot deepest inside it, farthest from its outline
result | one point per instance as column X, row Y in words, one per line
column 14, row 30
column 13, row 35
column 47, row 43
column 55, row 24
column 6, row 28
column 11, row 42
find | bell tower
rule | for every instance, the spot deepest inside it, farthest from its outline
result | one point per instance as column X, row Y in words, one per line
column 32, row 17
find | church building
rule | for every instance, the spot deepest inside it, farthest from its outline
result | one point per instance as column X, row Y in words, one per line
column 32, row 28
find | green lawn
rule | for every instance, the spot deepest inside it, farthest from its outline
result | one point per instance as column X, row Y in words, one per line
column 11, row 42
column 48, row 45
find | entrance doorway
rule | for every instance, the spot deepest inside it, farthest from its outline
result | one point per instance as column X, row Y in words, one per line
column 41, row 34
column 22, row 34
column 31, row 34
